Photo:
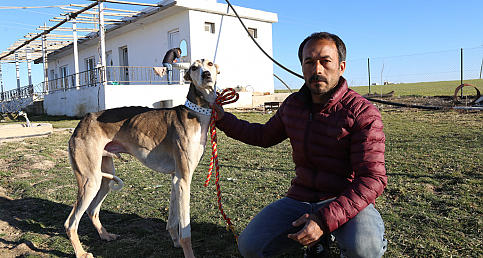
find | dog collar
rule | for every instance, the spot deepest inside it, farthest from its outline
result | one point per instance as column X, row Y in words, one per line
column 196, row 108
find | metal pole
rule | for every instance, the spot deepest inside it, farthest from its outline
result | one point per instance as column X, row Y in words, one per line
column 45, row 65
column 481, row 67
column 76, row 54
column 461, row 71
column 17, row 70
column 102, row 40
column 369, row 71
column 29, row 65
column 1, row 80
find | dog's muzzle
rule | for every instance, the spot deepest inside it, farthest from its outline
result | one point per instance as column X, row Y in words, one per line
column 206, row 75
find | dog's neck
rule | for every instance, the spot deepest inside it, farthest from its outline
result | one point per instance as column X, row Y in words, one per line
column 197, row 98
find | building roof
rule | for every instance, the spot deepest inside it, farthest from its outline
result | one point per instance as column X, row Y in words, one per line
column 152, row 14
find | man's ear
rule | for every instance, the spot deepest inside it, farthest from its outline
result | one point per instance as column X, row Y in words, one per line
column 217, row 69
column 187, row 76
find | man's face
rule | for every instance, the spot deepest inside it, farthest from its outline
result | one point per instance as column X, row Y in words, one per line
column 321, row 68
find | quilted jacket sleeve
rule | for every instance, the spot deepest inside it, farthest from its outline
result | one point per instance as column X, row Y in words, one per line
column 266, row 135
column 367, row 160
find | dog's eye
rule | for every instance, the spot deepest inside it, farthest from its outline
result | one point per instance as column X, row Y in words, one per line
column 210, row 64
column 193, row 68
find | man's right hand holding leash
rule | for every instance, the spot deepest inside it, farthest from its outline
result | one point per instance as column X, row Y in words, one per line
column 218, row 109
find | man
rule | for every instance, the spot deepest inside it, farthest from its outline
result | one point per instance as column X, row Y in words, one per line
column 338, row 151
column 168, row 60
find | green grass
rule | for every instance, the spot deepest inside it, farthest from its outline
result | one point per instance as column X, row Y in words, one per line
column 432, row 207
column 442, row 88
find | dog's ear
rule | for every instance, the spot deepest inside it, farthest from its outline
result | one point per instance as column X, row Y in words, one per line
column 217, row 69
column 187, row 76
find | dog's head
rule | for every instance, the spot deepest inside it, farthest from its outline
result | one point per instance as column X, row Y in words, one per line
column 202, row 73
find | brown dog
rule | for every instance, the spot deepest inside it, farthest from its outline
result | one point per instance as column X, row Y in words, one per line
column 169, row 141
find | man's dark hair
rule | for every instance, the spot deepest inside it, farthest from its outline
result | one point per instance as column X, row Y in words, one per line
column 179, row 49
column 328, row 36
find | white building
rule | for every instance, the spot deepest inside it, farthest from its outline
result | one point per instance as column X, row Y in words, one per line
column 202, row 28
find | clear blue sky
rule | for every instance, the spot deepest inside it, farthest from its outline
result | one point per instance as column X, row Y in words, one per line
column 370, row 29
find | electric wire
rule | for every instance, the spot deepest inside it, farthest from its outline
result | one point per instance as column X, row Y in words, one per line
column 256, row 43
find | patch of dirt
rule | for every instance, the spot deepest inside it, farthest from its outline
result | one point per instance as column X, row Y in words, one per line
column 10, row 233
column 38, row 162
column 435, row 102
column 11, row 243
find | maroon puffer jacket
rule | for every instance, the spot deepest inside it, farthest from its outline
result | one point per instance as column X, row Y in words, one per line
column 338, row 149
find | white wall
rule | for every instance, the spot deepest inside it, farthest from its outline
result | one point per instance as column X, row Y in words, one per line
column 92, row 99
column 146, row 45
column 75, row 102
column 241, row 62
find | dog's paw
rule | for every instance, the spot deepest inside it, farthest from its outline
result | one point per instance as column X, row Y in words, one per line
column 176, row 243
column 109, row 237
column 87, row 255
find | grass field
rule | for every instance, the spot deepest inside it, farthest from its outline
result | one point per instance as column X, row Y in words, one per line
column 442, row 88
column 432, row 207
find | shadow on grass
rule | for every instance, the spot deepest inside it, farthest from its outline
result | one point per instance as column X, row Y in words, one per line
column 41, row 223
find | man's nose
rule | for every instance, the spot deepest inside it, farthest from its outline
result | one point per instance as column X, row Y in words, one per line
column 318, row 67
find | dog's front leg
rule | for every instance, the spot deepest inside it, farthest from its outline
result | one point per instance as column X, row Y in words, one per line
column 184, row 217
column 173, row 219
column 181, row 185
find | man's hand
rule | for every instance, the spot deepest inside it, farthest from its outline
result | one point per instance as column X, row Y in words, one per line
column 311, row 233
column 218, row 109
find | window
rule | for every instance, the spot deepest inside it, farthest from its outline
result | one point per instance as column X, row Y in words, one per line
column 90, row 73
column 253, row 32
column 64, row 73
column 210, row 27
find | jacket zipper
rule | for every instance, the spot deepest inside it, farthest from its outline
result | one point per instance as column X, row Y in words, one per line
column 306, row 136
column 306, row 152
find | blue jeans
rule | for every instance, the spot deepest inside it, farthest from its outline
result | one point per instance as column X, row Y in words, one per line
column 266, row 234
column 169, row 72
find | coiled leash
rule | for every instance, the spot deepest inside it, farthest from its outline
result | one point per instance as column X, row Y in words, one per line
column 227, row 96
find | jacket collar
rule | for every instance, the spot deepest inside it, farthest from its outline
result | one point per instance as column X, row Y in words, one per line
column 340, row 90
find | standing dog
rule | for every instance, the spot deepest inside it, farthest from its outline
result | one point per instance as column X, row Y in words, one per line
column 169, row 141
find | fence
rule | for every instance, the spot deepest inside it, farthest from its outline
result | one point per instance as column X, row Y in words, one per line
column 14, row 100
column 453, row 65
column 142, row 75
column 115, row 75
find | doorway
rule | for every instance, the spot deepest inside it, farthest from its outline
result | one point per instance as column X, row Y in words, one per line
column 173, row 37
column 124, row 63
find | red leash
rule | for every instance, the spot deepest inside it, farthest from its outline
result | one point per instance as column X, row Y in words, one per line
column 227, row 96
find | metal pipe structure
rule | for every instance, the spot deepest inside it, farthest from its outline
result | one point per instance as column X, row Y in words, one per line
column 47, row 31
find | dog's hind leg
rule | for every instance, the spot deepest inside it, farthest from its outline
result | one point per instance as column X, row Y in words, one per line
column 88, row 186
column 93, row 209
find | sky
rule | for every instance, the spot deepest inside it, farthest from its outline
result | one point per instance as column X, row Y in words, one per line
column 370, row 29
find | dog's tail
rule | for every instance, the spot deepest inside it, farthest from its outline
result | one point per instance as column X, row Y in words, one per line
column 116, row 183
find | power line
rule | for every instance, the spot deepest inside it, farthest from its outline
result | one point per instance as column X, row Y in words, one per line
column 30, row 7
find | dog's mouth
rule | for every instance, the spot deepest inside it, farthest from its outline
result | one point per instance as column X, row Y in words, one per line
column 207, row 81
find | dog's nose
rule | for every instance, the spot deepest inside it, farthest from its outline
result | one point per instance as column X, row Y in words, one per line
column 206, row 75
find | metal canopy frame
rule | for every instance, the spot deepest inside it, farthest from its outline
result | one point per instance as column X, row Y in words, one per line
column 35, row 46
column 79, row 14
